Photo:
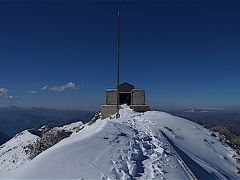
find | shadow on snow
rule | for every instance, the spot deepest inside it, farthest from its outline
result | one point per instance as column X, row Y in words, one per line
column 197, row 170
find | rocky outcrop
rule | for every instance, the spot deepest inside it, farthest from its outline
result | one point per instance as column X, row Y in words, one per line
column 228, row 137
column 49, row 137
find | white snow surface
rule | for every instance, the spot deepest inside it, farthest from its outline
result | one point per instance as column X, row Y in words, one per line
column 132, row 147
column 13, row 154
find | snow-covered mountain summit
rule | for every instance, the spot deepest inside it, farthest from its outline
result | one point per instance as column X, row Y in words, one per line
column 150, row 145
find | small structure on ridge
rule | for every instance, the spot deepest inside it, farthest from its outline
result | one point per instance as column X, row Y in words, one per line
column 135, row 98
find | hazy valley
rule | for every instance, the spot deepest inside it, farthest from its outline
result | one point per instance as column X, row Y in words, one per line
column 16, row 119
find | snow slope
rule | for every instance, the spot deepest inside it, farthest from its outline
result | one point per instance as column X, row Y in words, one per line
column 17, row 151
column 136, row 146
column 13, row 153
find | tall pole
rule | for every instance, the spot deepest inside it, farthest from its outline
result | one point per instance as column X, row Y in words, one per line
column 118, row 58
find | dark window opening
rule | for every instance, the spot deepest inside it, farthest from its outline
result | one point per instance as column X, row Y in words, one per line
column 125, row 98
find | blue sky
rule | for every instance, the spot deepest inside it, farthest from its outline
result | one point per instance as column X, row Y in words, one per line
column 184, row 54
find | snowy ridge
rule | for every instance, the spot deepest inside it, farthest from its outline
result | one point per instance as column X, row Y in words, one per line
column 17, row 152
column 136, row 146
column 14, row 153
column 196, row 142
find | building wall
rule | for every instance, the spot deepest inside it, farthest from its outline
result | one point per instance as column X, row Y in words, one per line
column 111, row 97
column 137, row 102
column 138, row 97
column 108, row 110
column 125, row 87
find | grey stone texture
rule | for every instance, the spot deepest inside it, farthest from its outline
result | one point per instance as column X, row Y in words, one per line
column 108, row 110
column 125, row 87
column 111, row 97
column 138, row 97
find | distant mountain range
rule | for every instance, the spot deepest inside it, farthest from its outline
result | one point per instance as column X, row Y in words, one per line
column 200, row 110
column 15, row 119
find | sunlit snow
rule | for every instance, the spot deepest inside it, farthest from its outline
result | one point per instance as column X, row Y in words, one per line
column 133, row 147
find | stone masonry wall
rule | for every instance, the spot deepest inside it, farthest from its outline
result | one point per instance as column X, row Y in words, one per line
column 108, row 110
column 138, row 97
column 111, row 97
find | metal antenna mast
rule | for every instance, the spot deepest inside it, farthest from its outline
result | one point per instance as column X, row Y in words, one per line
column 118, row 57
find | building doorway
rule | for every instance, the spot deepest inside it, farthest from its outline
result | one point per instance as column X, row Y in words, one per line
column 125, row 98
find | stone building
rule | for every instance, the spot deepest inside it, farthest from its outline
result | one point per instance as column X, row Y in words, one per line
column 135, row 98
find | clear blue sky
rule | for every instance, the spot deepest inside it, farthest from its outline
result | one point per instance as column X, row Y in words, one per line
column 181, row 53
